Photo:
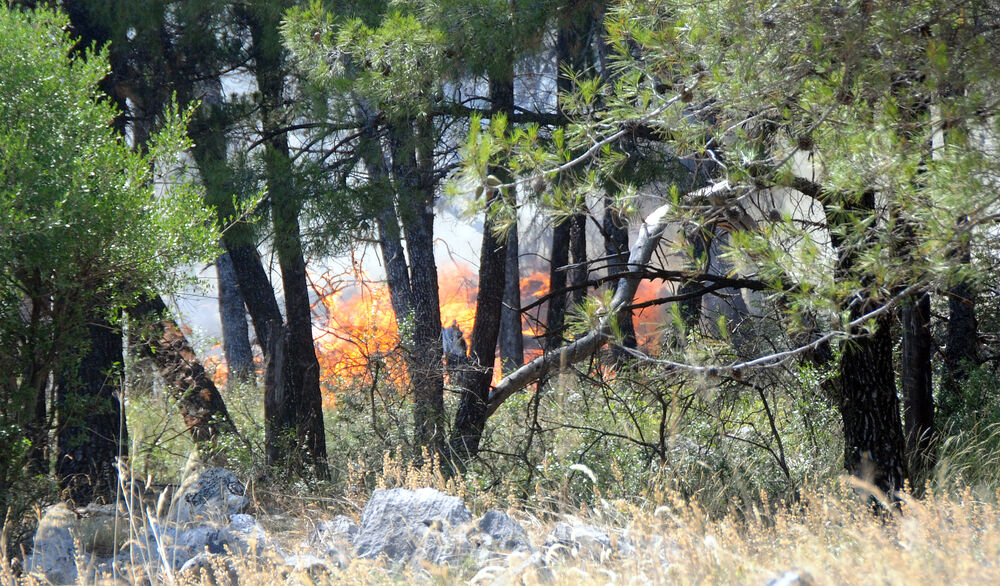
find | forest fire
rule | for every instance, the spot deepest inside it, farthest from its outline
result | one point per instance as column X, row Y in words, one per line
column 357, row 336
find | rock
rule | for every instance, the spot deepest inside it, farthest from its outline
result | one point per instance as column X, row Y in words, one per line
column 216, row 569
column 793, row 578
column 504, row 532
column 335, row 532
column 214, row 494
column 396, row 523
column 241, row 537
column 579, row 540
column 245, row 535
column 315, row 570
column 53, row 554
column 335, row 539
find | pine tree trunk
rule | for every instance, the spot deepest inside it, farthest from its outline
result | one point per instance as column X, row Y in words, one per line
column 163, row 342
column 960, row 355
column 558, row 259
column 470, row 418
column 91, row 433
column 874, row 446
column 511, row 329
column 235, row 332
column 300, row 413
column 616, row 250
column 918, row 400
column 416, row 208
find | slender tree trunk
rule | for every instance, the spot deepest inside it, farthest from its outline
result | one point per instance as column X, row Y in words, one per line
column 92, row 434
column 578, row 258
column 558, row 259
column 616, row 251
column 918, row 401
column 235, row 332
column 577, row 30
column 202, row 408
column 511, row 338
column 511, row 329
column 300, row 413
column 387, row 222
column 470, row 418
column 960, row 355
column 416, row 208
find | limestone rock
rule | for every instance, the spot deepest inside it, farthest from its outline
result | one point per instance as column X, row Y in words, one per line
column 398, row 522
column 579, row 540
column 504, row 532
column 214, row 494
column 53, row 554
column 334, row 539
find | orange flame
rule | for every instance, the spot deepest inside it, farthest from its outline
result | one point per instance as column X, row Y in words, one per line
column 357, row 337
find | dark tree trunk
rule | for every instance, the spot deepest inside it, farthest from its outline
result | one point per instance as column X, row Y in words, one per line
column 578, row 258
column 558, row 259
column 38, row 434
column 390, row 244
column 416, row 208
column 960, row 354
column 164, row 343
column 300, row 413
column 578, row 28
column 470, row 418
column 691, row 308
column 874, row 446
column 92, row 435
column 873, row 435
column 918, row 400
column 511, row 338
column 511, row 329
column 616, row 250
column 235, row 332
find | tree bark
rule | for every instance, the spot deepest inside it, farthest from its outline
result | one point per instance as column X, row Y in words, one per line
column 578, row 258
column 960, row 354
column 511, row 329
column 470, row 418
column 416, row 208
column 558, row 259
column 163, row 342
column 616, row 250
column 91, row 435
column 874, row 446
column 235, row 332
column 300, row 413
column 918, row 400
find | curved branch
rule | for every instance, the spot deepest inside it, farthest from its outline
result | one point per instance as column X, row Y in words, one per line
column 648, row 239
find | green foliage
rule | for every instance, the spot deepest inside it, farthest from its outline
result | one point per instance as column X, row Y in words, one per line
column 90, row 224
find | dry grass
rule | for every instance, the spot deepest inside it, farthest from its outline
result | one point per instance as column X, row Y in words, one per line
column 831, row 534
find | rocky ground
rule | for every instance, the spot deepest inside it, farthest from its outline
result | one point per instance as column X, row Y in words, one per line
column 204, row 536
